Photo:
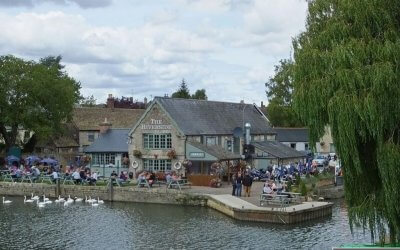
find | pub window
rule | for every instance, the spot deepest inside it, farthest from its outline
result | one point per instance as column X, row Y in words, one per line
column 157, row 165
column 211, row 140
column 157, row 141
column 293, row 145
column 91, row 136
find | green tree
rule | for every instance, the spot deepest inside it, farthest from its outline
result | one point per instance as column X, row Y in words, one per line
column 279, row 92
column 200, row 94
column 88, row 101
column 346, row 75
column 182, row 92
column 34, row 96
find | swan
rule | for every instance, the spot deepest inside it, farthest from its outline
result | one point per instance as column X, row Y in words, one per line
column 40, row 204
column 48, row 202
column 95, row 204
column 91, row 200
column 78, row 199
column 99, row 201
column 44, row 198
column 86, row 200
column 34, row 197
column 29, row 200
column 60, row 199
column 69, row 200
column 6, row 201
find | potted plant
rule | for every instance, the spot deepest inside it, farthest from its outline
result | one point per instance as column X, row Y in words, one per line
column 171, row 154
column 137, row 153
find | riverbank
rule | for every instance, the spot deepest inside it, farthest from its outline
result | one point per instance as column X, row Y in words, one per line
column 217, row 199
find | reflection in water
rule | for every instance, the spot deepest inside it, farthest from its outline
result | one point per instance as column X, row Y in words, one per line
column 133, row 225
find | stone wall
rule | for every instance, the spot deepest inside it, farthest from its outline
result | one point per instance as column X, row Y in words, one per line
column 123, row 194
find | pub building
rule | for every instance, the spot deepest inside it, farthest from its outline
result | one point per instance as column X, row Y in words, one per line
column 187, row 136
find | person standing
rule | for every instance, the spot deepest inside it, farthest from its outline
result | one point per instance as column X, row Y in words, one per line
column 239, row 181
column 247, row 181
column 233, row 181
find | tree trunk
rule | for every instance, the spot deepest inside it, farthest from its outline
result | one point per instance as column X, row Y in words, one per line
column 9, row 138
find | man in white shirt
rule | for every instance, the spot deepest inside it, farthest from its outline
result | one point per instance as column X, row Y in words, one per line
column 76, row 176
column 54, row 176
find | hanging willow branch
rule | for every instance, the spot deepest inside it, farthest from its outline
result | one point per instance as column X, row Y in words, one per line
column 347, row 77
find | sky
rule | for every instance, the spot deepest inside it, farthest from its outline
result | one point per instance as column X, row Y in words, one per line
column 143, row 48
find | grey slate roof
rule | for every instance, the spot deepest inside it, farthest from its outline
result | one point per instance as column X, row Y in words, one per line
column 292, row 134
column 114, row 141
column 197, row 117
column 279, row 150
column 215, row 150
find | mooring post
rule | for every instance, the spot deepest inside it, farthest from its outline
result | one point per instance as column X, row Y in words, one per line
column 58, row 188
column 110, row 189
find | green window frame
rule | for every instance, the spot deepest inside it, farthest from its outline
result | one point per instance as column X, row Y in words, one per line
column 157, row 141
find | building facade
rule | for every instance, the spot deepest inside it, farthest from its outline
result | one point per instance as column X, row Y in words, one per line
column 173, row 132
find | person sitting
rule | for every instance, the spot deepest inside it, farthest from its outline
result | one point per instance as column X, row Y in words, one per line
column 168, row 178
column 93, row 178
column 55, row 176
column 122, row 177
column 82, row 174
column 16, row 174
column 267, row 189
column 76, row 176
column 151, row 179
column 35, row 173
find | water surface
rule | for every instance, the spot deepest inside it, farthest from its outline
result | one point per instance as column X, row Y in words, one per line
column 142, row 226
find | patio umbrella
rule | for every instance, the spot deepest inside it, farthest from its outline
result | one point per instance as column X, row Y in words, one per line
column 32, row 159
column 49, row 161
column 11, row 158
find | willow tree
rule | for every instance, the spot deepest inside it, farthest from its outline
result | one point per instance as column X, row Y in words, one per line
column 347, row 76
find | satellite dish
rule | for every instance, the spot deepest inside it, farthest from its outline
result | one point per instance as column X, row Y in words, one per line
column 237, row 132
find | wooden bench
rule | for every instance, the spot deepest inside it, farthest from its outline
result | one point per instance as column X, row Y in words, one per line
column 179, row 184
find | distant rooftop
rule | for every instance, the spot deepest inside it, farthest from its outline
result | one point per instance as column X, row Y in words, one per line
column 113, row 141
column 292, row 134
column 196, row 117
column 86, row 118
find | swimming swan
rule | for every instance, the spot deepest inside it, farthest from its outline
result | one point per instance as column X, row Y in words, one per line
column 6, row 201
column 29, row 200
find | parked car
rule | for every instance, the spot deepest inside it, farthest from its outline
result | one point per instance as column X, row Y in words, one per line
column 320, row 161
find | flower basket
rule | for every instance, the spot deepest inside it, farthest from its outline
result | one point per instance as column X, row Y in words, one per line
column 125, row 161
column 322, row 143
column 186, row 163
column 215, row 183
column 137, row 153
column 171, row 154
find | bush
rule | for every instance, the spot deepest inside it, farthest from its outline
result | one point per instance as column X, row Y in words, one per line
column 303, row 189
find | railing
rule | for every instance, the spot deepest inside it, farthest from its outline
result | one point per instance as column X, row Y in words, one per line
column 106, row 170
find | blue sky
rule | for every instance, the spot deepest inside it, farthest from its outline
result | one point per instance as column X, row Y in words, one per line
column 144, row 48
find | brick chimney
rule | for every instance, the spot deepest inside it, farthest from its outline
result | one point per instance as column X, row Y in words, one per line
column 104, row 126
column 110, row 101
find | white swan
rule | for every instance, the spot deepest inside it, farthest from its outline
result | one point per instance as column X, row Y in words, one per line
column 91, row 200
column 99, row 201
column 48, row 202
column 6, row 201
column 78, row 199
column 69, row 200
column 95, row 204
column 86, row 200
column 40, row 204
column 60, row 199
column 34, row 197
column 29, row 200
column 44, row 198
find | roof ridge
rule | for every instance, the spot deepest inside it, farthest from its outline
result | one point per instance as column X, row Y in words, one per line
column 200, row 100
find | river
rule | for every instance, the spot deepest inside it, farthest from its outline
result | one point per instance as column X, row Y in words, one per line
column 141, row 226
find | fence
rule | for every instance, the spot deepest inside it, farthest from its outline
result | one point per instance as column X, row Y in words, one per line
column 107, row 170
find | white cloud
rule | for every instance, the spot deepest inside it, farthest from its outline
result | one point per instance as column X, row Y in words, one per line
column 31, row 3
column 150, row 57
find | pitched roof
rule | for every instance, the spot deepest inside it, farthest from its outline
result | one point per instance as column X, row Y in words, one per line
column 89, row 118
column 113, row 141
column 279, row 150
column 292, row 134
column 215, row 150
column 196, row 117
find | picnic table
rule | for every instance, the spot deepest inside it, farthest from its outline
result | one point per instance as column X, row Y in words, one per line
column 46, row 178
column 281, row 200
column 143, row 183
column 296, row 197
column 179, row 183
column 27, row 177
